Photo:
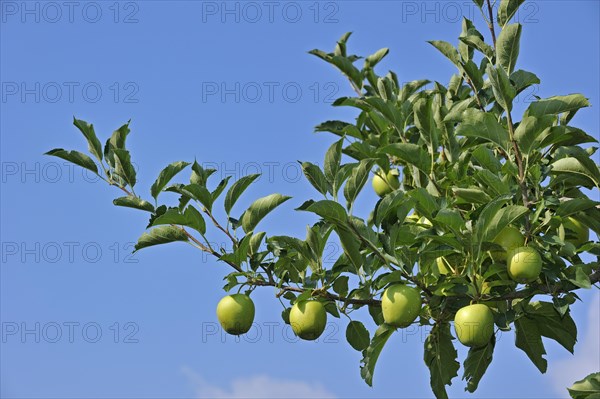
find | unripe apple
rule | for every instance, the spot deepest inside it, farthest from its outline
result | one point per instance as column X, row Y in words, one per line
column 577, row 234
column 308, row 319
column 524, row 264
column 385, row 183
column 400, row 305
column 509, row 238
column 474, row 325
column 236, row 313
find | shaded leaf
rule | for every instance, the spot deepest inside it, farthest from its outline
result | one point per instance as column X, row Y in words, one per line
column 476, row 363
column 259, row 209
column 237, row 189
column 160, row 235
column 371, row 354
column 165, row 176
column 357, row 335
column 529, row 340
column 75, row 157
column 87, row 129
column 507, row 47
column 134, row 202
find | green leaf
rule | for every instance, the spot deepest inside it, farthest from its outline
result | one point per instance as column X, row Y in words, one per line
column 492, row 183
column 160, row 235
column 315, row 177
column 528, row 131
column 134, row 202
column 351, row 247
column 259, row 209
column 340, row 285
column 116, row 140
column 330, row 211
column 472, row 195
column 557, row 105
column 357, row 335
column 447, row 49
column 483, row 125
column 493, row 224
column 123, row 166
column 507, row 10
column 504, row 92
column 348, row 69
column 87, row 129
column 371, row 354
column 388, row 205
column 165, row 177
column 240, row 253
column 333, row 158
column 575, row 205
column 220, row 187
column 75, row 157
column 198, row 193
column 476, row 42
column 507, row 47
column 587, row 388
column 574, row 166
column 424, row 121
column 374, row 59
column 191, row 217
column 529, row 340
column 522, row 79
column 357, row 180
column 412, row 154
column 200, row 175
column 476, row 363
column 237, row 189
column 440, row 357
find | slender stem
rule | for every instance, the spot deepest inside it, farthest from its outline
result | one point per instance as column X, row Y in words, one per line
column 491, row 21
column 470, row 83
column 226, row 231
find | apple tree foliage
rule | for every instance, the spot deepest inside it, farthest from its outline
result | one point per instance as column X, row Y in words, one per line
column 468, row 165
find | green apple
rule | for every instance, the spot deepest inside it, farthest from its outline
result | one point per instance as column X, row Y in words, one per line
column 236, row 313
column 509, row 238
column 577, row 234
column 400, row 305
column 385, row 183
column 308, row 319
column 474, row 325
column 524, row 264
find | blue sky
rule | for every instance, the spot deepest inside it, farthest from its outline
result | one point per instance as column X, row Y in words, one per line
column 230, row 84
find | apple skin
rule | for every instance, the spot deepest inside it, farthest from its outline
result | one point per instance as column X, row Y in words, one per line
column 308, row 319
column 236, row 313
column 524, row 264
column 509, row 238
column 474, row 325
column 400, row 305
column 385, row 184
column 578, row 234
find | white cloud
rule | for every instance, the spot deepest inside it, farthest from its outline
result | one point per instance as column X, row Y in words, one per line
column 565, row 372
column 260, row 386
